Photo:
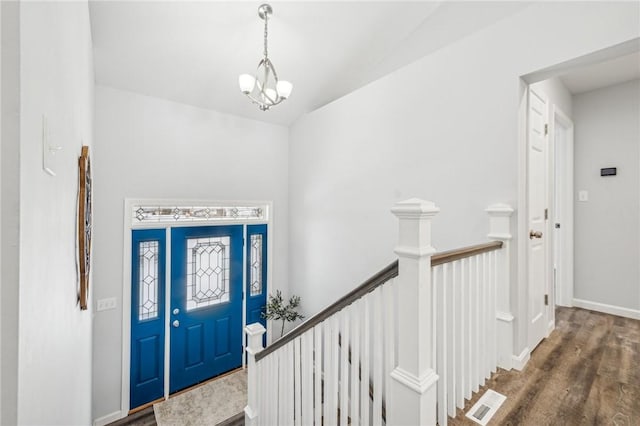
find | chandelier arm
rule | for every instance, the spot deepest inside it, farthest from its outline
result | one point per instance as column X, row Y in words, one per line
column 269, row 64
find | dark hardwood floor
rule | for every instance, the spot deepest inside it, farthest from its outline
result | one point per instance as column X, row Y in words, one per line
column 587, row 372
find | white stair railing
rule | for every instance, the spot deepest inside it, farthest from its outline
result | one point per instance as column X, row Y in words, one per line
column 468, row 285
column 405, row 348
column 332, row 369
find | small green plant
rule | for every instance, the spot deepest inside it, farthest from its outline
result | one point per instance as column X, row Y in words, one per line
column 277, row 310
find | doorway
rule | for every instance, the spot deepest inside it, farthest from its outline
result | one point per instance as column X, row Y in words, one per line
column 189, row 328
column 562, row 147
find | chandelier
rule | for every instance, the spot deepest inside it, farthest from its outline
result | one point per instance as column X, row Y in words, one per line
column 265, row 90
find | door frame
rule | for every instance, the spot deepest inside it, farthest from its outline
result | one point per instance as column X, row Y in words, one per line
column 562, row 193
column 555, row 115
column 129, row 226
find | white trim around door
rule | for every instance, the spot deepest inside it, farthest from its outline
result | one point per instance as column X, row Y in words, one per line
column 561, row 151
column 166, row 223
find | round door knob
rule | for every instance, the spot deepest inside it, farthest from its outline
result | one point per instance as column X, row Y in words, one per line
column 537, row 234
column 176, row 323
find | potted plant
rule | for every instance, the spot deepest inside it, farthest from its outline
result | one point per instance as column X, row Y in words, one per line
column 277, row 310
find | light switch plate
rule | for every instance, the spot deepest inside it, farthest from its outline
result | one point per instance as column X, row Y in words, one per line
column 106, row 304
column 583, row 195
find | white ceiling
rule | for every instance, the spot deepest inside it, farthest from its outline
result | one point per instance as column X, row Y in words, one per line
column 603, row 74
column 193, row 52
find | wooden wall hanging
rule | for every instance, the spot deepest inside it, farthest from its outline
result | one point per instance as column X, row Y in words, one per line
column 84, row 224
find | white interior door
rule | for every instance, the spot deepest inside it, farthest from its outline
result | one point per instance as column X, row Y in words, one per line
column 537, row 200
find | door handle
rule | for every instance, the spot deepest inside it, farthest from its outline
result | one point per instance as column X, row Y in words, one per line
column 176, row 323
column 533, row 234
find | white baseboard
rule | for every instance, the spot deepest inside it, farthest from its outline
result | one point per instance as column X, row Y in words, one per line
column 109, row 418
column 519, row 361
column 551, row 327
column 607, row 309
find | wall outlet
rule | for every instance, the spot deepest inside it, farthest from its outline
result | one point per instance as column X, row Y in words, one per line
column 106, row 304
column 583, row 195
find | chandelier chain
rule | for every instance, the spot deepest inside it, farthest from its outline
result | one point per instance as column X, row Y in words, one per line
column 266, row 20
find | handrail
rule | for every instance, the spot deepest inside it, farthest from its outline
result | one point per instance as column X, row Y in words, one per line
column 368, row 286
column 461, row 253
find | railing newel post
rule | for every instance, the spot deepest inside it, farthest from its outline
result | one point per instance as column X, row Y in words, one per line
column 500, row 230
column 254, row 333
column 413, row 383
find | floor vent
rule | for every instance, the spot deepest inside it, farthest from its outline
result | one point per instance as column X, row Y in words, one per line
column 483, row 410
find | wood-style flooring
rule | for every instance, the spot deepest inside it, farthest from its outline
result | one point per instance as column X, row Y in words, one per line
column 587, row 372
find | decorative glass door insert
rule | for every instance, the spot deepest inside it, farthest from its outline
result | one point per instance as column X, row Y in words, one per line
column 207, row 277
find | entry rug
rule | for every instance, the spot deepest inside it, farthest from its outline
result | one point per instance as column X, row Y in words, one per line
column 208, row 404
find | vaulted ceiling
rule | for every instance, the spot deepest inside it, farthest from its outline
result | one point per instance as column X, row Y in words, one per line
column 193, row 52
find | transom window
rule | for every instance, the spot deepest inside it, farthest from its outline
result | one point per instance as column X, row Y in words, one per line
column 171, row 214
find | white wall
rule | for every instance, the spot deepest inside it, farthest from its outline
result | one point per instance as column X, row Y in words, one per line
column 444, row 129
column 152, row 148
column 607, row 227
column 54, row 368
column 10, row 218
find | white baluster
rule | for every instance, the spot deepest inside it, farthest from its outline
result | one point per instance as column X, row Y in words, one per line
column 377, row 356
column 449, row 354
column 297, row 382
column 329, row 406
column 468, row 338
column 355, row 362
column 306, row 388
column 473, row 323
column 389, row 298
column 463, row 351
column 457, row 326
column 365, row 351
column 262, row 394
column 478, row 312
column 440, row 295
column 494, row 323
column 283, row 386
column 344, row 367
column 274, row 397
column 317, row 374
column 483, row 317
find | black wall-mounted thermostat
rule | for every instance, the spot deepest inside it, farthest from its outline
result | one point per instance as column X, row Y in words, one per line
column 609, row 171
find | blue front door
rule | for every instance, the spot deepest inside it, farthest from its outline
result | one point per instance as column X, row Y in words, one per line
column 206, row 303
column 146, row 381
